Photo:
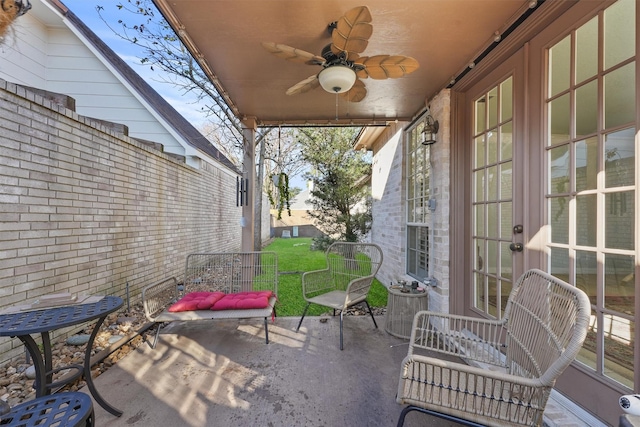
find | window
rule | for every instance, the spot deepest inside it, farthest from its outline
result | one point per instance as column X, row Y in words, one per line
column 591, row 181
column 418, row 214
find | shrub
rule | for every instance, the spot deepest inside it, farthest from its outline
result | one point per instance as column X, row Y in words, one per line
column 321, row 243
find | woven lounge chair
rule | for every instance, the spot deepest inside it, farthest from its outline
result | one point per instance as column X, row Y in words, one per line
column 351, row 268
column 517, row 359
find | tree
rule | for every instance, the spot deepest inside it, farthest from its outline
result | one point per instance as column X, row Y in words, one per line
column 9, row 12
column 340, row 195
column 160, row 47
column 283, row 161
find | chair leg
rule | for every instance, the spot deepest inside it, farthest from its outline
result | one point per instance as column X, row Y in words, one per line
column 403, row 414
column 155, row 341
column 303, row 314
column 91, row 421
column 447, row 417
column 266, row 330
column 341, row 315
column 371, row 313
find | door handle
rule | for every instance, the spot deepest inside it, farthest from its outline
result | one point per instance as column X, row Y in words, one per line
column 516, row 247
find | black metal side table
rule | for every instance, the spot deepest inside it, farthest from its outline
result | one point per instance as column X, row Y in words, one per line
column 69, row 409
column 24, row 323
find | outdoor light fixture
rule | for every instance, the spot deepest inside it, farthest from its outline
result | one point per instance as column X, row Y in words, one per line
column 430, row 130
column 337, row 78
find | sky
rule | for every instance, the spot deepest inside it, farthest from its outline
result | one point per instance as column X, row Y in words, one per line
column 185, row 104
column 86, row 11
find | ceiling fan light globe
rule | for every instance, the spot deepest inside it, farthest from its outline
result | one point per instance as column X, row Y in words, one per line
column 337, row 78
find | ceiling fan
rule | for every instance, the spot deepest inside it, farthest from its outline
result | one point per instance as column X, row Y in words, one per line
column 342, row 66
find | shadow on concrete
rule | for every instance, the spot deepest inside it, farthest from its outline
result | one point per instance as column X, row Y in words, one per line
column 221, row 373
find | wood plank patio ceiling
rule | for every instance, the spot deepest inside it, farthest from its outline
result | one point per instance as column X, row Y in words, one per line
column 226, row 36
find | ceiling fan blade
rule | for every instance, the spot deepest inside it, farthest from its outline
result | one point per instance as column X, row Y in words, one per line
column 352, row 32
column 305, row 85
column 381, row 67
column 356, row 93
column 292, row 54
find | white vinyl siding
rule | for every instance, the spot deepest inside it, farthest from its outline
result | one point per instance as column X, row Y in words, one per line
column 56, row 60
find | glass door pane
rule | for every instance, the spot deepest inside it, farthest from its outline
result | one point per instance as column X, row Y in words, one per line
column 493, row 198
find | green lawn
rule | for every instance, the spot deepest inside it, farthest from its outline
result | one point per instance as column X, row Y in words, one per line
column 294, row 258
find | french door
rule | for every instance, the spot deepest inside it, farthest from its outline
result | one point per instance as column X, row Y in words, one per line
column 590, row 147
column 496, row 196
column 549, row 142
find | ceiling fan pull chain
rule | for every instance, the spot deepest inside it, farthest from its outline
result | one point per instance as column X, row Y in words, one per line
column 348, row 111
column 336, row 106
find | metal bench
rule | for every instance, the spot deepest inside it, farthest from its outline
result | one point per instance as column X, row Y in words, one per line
column 228, row 272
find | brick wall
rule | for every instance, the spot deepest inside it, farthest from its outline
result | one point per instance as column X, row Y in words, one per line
column 440, row 107
column 388, row 192
column 86, row 210
column 389, row 204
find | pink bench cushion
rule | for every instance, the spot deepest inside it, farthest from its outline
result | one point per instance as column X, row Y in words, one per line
column 243, row 301
column 196, row 301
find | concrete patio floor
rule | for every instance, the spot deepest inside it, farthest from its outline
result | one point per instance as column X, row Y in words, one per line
column 221, row 373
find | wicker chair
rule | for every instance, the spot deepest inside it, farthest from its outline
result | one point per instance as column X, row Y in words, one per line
column 351, row 268
column 544, row 325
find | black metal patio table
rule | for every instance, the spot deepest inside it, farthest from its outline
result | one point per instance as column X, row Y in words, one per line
column 23, row 324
